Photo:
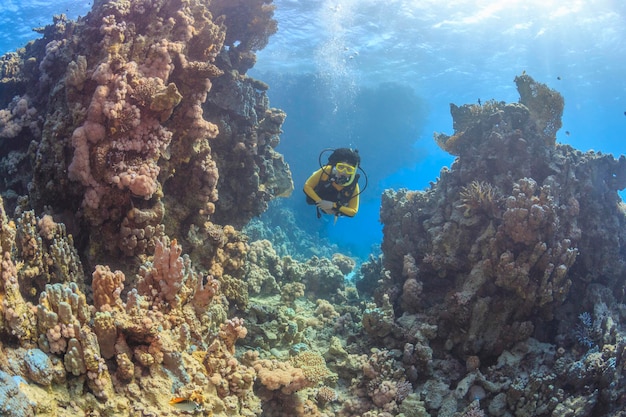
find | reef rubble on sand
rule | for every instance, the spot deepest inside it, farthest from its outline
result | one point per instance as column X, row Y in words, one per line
column 134, row 150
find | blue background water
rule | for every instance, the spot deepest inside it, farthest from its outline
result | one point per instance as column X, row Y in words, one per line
column 379, row 76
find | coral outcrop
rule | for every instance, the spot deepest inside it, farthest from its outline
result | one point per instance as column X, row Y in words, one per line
column 499, row 253
column 135, row 149
column 119, row 134
column 170, row 333
column 138, row 119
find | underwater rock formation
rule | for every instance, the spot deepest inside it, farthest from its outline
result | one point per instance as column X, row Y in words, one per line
column 114, row 149
column 137, row 117
column 500, row 252
column 134, row 149
column 127, row 351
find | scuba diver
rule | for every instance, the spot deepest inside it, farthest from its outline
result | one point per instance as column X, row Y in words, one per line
column 334, row 188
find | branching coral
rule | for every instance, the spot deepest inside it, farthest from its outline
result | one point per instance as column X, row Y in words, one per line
column 168, row 280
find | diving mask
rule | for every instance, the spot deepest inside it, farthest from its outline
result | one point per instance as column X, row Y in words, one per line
column 344, row 168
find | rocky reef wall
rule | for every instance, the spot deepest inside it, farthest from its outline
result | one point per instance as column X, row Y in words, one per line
column 512, row 230
column 139, row 121
column 133, row 148
column 517, row 243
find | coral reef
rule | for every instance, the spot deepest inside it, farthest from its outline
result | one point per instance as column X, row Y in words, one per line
column 499, row 251
column 129, row 350
column 136, row 151
column 139, row 135
column 118, row 132
column 278, row 225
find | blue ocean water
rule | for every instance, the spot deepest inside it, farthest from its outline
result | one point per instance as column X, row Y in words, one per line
column 380, row 75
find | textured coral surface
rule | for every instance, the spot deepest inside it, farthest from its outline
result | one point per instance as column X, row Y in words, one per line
column 126, row 119
column 502, row 254
column 134, row 149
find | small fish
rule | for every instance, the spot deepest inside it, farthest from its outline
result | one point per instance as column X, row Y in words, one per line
column 184, row 404
column 479, row 103
column 625, row 113
column 558, row 78
column 567, row 132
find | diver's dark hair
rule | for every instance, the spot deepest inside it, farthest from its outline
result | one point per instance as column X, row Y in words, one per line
column 351, row 156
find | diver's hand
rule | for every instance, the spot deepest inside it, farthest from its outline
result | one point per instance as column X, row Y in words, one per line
column 326, row 206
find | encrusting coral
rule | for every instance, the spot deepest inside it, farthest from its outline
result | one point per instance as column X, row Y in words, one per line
column 163, row 324
column 500, row 249
column 139, row 129
column 125, row 278
column 111, row 132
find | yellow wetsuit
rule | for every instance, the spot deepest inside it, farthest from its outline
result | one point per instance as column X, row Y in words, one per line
column 331, row 192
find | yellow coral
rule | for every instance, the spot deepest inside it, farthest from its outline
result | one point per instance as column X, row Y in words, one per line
column 314, row 367
column 446, row 142
column 545, row 105
column 165, row 100
column 291, row 291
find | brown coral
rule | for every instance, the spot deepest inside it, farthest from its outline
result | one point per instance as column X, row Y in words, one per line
column 480, row 197
column 107, row 287
column 546, row 106
column 276, row 375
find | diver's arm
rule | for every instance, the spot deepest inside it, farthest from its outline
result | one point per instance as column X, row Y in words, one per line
column 353, row 206
column 311, row 183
